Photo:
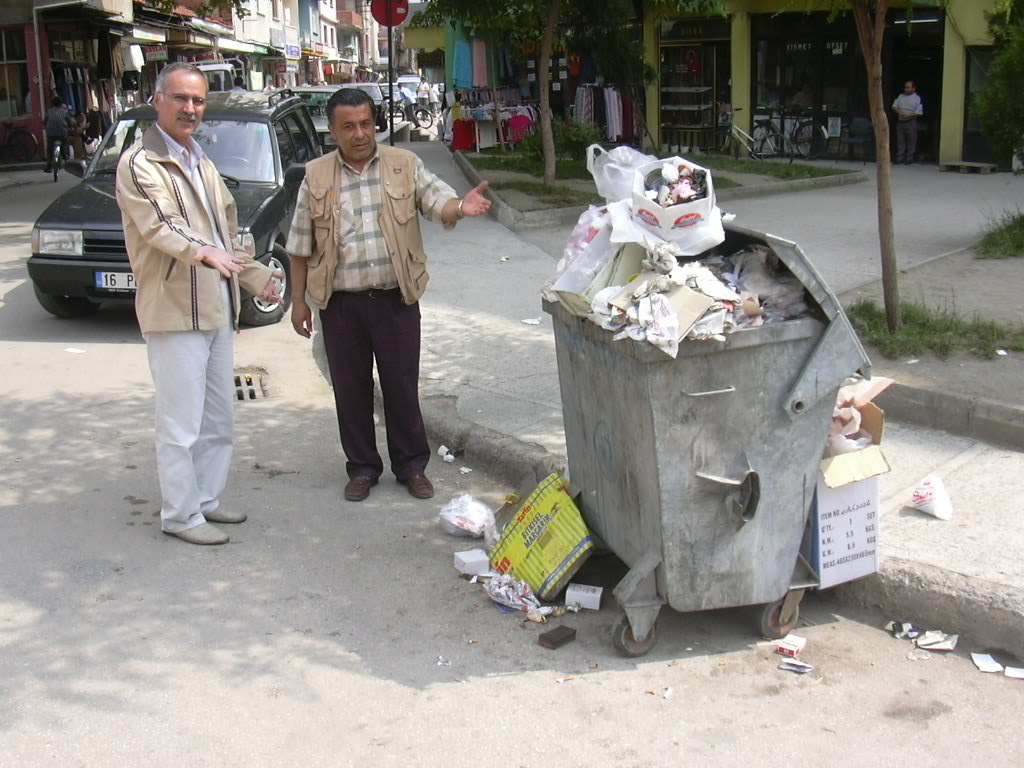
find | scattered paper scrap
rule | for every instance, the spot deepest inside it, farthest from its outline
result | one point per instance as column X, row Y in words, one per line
column 464, row 470
column 442, row 451
column 796, row 666
column 448, row 459
column 1014, row 672
column 902, row 629
column 912, row 361
column 918, row 655
column 443, row 662
column 986, row 663
column 533, row 320
column 1001, row 352
column 74, row 350
column 934, row 640
column 504, row 258
column 564, row 679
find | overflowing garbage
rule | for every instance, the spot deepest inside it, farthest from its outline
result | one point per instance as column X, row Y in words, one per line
column 533, row 547
column 652, row 264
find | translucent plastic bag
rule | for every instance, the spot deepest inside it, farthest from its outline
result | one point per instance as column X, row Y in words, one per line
column 467, row 516
column 613, row 170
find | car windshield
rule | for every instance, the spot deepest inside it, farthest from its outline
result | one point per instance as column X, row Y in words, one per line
column 240, row 149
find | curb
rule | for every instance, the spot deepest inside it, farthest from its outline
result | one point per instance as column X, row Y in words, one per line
column 509, row 217
column 936, row 598
column 796, row 185
column 987, row 420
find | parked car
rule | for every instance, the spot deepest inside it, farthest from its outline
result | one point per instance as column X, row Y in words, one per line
column 316, row 97
column 259, row 142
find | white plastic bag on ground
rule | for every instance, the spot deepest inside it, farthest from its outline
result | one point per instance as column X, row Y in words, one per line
column 466, row 516
column 930, row 496
column 613, row 170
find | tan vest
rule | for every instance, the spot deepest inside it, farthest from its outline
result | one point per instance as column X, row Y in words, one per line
column 398, row 221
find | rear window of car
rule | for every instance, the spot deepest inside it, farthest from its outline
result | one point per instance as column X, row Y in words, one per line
column 240, row 149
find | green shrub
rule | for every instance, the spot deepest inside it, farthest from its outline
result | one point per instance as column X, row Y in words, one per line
column 571, row 140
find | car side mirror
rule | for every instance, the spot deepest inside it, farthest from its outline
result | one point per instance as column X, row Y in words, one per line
column 295, row 173
column 76, row 167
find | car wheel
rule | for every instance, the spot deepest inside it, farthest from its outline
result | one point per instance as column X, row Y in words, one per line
column 256, row 311
column 65, row 307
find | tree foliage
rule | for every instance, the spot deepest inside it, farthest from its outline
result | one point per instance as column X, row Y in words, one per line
column 999, row 105
column 208, row 8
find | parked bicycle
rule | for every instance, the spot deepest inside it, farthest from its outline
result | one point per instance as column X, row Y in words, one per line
column 804, row 139
column 18, row 144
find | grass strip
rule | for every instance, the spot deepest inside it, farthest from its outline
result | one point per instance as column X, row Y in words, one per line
column 941, row 332
column 1004, row 238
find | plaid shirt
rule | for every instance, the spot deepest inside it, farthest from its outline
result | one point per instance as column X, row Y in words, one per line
column 364, row 262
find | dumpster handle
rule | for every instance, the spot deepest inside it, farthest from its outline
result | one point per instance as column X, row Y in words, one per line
column 725, row 391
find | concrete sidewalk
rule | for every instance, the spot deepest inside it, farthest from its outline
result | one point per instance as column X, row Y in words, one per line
column 490, row 382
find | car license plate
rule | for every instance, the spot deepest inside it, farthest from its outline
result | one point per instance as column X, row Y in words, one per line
column 115, row 282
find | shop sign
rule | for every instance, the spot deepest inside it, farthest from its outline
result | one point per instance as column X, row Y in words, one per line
column 837, row 48
column 318, row 48
column 798, row 47
column 141, row 33
column 696, row 29
column 282, row 68
column 155, row 52
column 292, row 51
column 277, row 37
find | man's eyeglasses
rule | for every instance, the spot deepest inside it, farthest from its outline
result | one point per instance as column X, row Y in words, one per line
column 181, row 100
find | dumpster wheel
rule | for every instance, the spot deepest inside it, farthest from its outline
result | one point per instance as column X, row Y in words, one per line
column 626, row 644
column 778, row 619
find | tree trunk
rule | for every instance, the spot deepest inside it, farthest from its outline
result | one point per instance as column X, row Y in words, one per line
column 547, row 136
column 870, row 18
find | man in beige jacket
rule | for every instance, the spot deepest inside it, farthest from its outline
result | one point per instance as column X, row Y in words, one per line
column 181, row 231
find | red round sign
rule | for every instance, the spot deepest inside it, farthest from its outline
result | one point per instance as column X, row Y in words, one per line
column 390, row 13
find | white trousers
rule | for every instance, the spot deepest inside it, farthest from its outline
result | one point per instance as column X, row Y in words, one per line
column 193, row 376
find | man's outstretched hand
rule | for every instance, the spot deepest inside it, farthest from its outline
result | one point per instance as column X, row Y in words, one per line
column 474, row 203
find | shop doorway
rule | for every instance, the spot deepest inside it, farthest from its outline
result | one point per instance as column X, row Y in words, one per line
column 916, row 54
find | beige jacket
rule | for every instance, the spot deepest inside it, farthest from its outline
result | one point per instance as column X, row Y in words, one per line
column 399, row 221
column 165, row 225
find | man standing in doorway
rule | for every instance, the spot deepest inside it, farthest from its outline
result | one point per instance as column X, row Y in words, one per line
column 908, row 109
column 358, row 255
column 181, row 230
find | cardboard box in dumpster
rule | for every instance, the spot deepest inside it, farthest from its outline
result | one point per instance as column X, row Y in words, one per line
column 546, row 542
column 844, row 521
column 688, row 304
column 667, row 222
column 619, row 270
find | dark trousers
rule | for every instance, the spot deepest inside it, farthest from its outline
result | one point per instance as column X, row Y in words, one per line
column 906, row 140
column 358, row 330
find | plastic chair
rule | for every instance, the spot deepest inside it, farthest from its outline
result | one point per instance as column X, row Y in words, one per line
column 859, row 131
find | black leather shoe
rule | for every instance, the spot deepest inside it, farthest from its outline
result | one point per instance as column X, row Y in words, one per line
column 418, row 486
column 358, row 488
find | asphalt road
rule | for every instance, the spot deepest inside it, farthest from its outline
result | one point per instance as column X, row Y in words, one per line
column 336, row 634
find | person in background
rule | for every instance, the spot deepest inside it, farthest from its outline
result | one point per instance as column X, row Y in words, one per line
column 423, row 94
column 58, row 125
column 181, row 231
column 239, row 85
column 802, row 101
column 358, row 212
column 435, row 99
column 908, row 109
column 76, row 136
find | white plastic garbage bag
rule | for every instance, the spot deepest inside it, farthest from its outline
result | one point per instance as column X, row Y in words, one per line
column 613, row 170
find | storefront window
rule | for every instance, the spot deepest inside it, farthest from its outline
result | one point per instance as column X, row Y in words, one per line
column 15, row 100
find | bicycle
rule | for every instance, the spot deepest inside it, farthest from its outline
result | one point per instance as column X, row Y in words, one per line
column 19, row 144
column 57, row 157
column 732, row 139
column 410, row 113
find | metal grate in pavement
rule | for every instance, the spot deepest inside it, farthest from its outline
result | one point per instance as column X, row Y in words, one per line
column 249, row 385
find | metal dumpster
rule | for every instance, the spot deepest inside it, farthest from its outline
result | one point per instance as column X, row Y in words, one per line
column 699, row 472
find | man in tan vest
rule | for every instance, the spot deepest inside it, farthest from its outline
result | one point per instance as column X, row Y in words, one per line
column 358, row 256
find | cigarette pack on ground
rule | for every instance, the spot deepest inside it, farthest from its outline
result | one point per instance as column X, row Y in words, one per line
column 584, row 595
column 547, row 540
column 472, row 561
column 791, row 645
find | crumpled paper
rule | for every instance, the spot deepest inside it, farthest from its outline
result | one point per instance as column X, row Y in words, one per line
column 509, row 591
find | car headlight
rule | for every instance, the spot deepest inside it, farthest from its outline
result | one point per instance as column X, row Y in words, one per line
column 248, row 243
column 57, row 242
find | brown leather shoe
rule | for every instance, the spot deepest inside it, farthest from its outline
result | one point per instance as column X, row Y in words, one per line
column 358, row 488
column 419, row 486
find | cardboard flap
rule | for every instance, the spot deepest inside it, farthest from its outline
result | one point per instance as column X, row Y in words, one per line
column 853, row 467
